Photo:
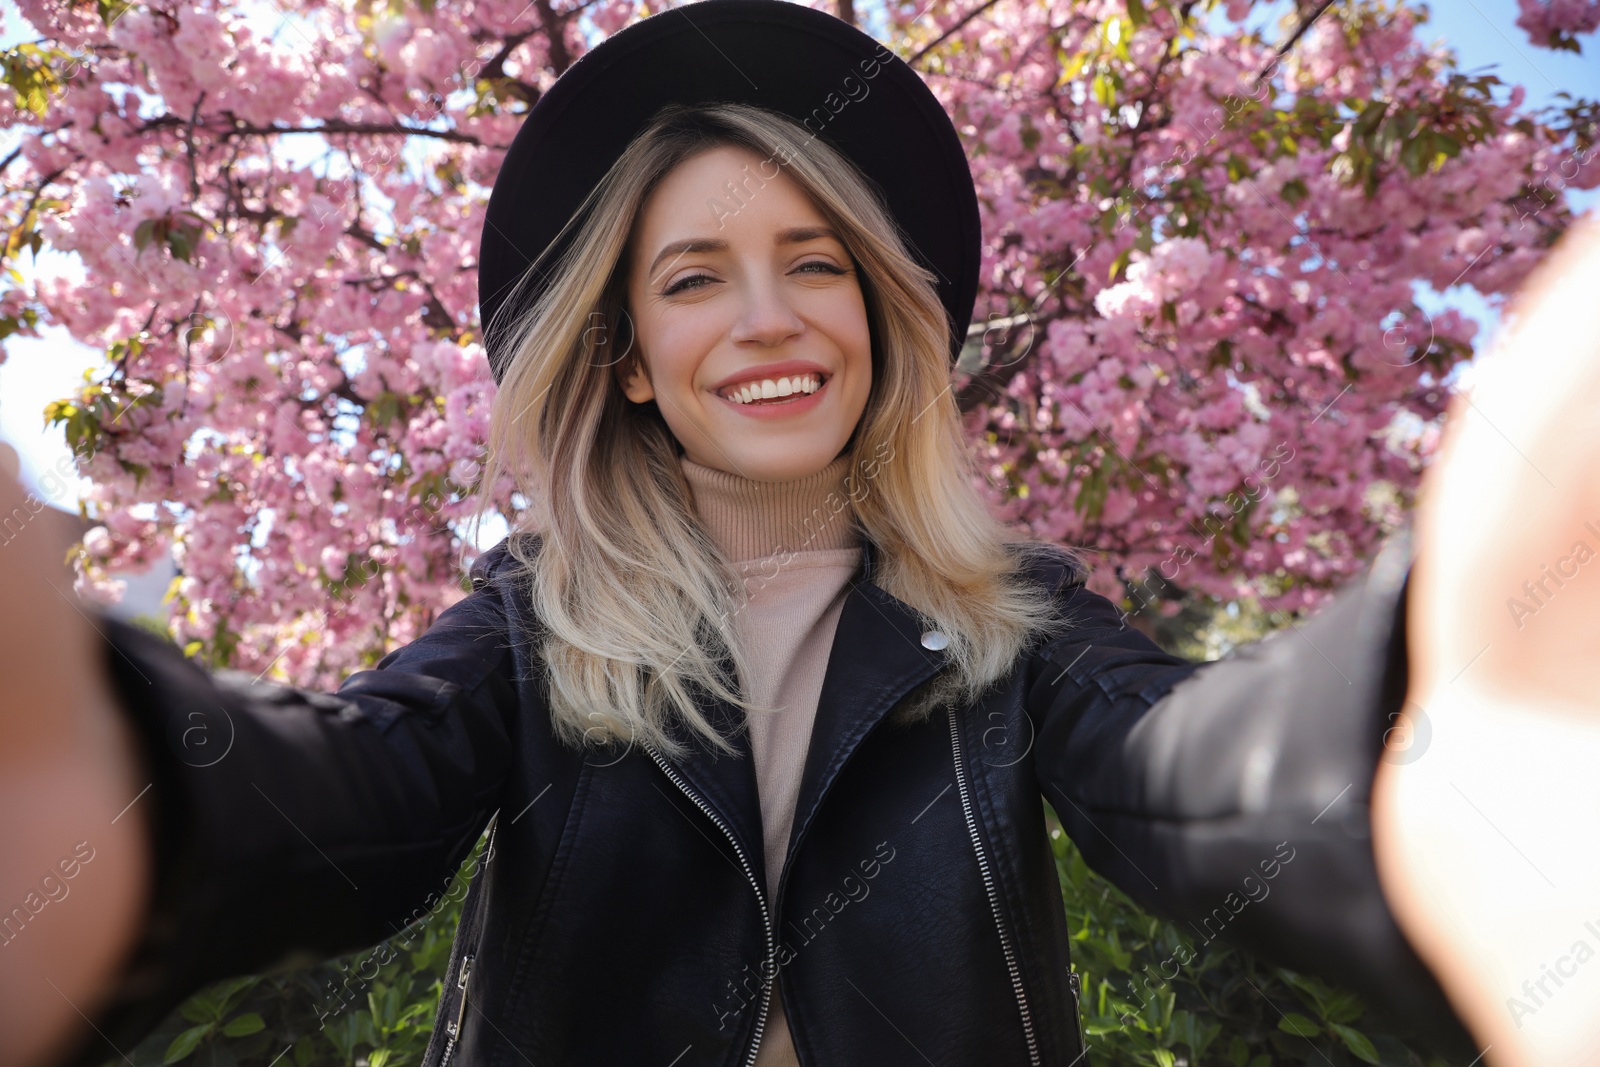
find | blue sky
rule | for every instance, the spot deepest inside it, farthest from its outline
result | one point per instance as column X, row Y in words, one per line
column 1482, row 32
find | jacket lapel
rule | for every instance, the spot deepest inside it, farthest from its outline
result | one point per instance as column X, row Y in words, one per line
column 876, row 659
column 727, row 782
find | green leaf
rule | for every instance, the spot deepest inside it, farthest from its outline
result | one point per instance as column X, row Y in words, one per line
column 383, row 408
column 249, row 1023
column 1119, row 263
column 1090, row 501
column 1071, row 67
column 185, row 1043
column 1414, row 155
column 200, row 1008
column 1356, row 1042
column 1341, row 1007
column 1405, row 122
column 1369, row 118
column 178, row 242
column 1299, row 1025
column 1103, row 90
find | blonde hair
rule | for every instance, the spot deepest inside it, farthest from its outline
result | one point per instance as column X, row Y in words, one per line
column 631, row 594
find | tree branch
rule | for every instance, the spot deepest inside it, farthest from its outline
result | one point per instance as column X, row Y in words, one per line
column 939, row 40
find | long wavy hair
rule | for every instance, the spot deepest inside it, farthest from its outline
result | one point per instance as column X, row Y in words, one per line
column 631, row 594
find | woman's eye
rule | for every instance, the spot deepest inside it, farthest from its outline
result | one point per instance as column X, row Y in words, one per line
column 683, row 283
column 687, row 284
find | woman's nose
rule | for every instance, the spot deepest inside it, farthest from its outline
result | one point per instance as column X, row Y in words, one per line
column 766, row 316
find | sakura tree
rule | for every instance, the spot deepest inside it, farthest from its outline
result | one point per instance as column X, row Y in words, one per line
column 1200, row 346
column 1205, row 352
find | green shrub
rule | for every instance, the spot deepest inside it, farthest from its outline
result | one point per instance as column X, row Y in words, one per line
column 1224, row 1007
column 371, row 1009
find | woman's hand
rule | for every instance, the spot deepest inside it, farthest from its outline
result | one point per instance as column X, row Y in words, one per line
column 1487, row 826
column 75, row 863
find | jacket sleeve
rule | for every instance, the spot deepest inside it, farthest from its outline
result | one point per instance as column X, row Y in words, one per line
column 1233, row 796
column 292, row 826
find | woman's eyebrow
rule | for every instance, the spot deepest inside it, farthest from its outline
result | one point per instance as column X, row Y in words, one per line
column 793, row 235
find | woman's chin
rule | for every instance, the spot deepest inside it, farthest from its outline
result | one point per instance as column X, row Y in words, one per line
column 780, row 460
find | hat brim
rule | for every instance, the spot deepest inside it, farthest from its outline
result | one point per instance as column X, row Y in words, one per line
column 840, row 82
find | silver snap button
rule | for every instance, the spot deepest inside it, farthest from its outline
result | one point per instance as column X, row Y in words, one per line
column 935, row 640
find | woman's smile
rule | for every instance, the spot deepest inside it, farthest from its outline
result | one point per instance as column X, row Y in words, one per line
column 779, row 407
column 775, row 390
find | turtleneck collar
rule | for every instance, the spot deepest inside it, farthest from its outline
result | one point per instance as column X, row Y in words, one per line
column 751, row 519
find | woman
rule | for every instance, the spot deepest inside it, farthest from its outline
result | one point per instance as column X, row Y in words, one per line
column 758, row 697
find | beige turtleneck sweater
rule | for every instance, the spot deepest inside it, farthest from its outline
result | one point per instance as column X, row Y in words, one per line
column 786, row 625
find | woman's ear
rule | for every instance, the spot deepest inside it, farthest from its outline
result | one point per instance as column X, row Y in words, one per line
column 634, row 378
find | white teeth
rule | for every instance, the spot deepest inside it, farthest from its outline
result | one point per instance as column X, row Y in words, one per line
column 771, row 388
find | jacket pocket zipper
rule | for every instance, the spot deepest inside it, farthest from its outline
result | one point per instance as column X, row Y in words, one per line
column 1075, row 980
column 749, row 872
column 994, row 896
column 454, row 1028
column 488, row 848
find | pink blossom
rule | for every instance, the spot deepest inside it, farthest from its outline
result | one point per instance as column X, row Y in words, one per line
column 1546, row 20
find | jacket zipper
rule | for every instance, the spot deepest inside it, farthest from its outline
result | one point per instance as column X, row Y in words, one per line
column 989, row 887
column 488, row 848
column 454, row 1029
column 749, row 872
column 1075, row 980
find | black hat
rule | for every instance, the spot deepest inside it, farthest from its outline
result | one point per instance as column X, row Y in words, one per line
column 809, row 65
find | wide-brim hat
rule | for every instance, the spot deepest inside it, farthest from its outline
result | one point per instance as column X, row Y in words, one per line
column 807, row 64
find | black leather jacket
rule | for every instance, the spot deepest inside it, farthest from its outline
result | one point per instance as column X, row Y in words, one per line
column 621, row 916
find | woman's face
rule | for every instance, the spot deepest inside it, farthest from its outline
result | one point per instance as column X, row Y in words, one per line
column 738, row 287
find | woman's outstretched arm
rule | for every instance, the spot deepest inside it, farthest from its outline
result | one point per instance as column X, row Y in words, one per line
column 75, row 857
column 1233, row 796
column 284, row 825
column 1487, row 845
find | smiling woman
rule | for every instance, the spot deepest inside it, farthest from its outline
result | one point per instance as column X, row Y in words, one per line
column 693, row 773
column 703, row 382
column 637, row 368
column 771, row 308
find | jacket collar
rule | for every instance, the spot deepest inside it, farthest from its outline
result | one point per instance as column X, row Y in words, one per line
column 877, row 658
